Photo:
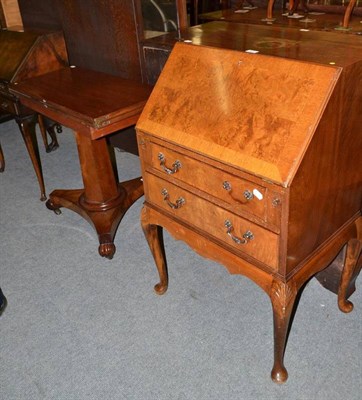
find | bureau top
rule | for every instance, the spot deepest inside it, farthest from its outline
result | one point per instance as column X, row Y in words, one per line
column 250, row 111
column 299, row 44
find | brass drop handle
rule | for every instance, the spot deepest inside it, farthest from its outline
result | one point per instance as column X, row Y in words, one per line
column 175, row 166
column 4, row 104
column 247, row 236
column 166, row 197
column 248, row 195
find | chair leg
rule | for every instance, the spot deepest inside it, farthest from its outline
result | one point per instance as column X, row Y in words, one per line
column 351, row 269
column 47, row 127
column 347, row 14
column 27, row 129
column 2, row 160
column 3, row 302
column 269, row 14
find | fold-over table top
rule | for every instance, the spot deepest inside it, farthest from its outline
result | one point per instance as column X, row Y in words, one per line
column 93, row 99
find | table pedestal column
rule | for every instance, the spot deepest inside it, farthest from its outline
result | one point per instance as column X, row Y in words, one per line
column 103, row 202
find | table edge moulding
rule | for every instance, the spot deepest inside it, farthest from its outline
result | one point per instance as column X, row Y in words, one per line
column 254, row 162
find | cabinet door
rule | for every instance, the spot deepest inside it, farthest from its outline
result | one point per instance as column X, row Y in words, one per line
column 155, row 59
column 157, row 17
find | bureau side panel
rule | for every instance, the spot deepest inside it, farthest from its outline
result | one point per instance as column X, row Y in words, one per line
column 327, row 189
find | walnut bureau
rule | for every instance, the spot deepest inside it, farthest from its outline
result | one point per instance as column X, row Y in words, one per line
column 255, row 162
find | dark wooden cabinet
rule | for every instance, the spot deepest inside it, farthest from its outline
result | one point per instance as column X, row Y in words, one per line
column 40, row 14
column 100, row 35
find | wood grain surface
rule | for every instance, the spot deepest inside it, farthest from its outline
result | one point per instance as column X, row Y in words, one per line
column 258, row 113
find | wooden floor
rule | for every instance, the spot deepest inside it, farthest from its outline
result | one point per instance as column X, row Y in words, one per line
column 329, row 22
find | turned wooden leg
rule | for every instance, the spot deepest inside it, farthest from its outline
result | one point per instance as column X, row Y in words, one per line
column 351, row 269
column 2, row 160
column 293, row 4
column 283, row 297
column 154, row 237
column 27, row 129
column 269, row 13
column 347, row 14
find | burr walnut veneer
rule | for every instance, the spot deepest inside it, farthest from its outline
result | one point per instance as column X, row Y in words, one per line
column 94, row 105
column 254, row 161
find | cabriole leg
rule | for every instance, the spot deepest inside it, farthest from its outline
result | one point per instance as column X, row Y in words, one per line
column 283, row 297
column 27, row 129
column 154, row 237
column 351, row 269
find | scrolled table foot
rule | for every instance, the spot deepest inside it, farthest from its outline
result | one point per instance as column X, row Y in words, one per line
column 107, row 250
column 53, row 207
column 279, row 374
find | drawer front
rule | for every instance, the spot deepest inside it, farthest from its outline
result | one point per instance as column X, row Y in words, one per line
column 239, row 233
column 7, row 106
column 241, row 194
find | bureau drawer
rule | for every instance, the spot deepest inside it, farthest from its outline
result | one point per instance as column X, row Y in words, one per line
column 7, row 106
column 239, row 233
column 242, row 194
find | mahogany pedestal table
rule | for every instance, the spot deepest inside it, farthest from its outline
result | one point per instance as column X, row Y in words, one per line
column 93, row 105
